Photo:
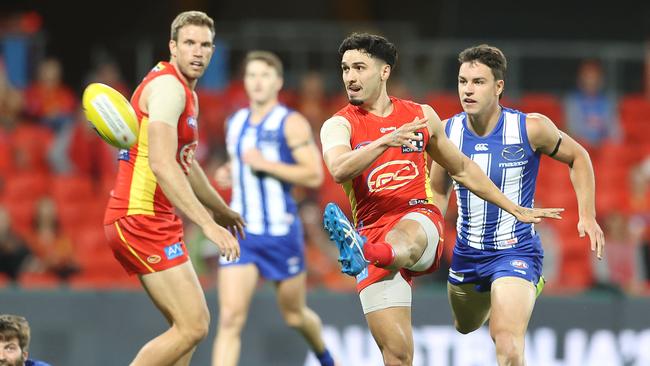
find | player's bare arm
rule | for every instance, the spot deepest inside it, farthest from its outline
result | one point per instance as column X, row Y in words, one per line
column 346, row 164
column 165, row 102
column 440, row 184
column 307, row 170
column 211, row 199
column 464, row 171
column 545, row 137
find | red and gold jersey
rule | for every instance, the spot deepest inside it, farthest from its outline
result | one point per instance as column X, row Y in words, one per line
column 137, row 191
column 398, row 180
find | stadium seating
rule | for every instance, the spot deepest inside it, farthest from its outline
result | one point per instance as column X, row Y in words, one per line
column 66, row 188
column 35, row 280
column 546, row 104
column 446, row 105
column 30, row 147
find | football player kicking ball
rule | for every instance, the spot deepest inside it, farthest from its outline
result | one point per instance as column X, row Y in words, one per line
column 378, row 147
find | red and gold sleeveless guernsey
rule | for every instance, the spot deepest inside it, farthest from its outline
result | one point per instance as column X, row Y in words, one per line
column 136, row 190
column 393, row 185
column 137, row 201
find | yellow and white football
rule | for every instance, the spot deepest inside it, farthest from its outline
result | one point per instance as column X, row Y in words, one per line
column 111, row 115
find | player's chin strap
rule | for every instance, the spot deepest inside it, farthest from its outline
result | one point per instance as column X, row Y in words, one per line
column 557, row 146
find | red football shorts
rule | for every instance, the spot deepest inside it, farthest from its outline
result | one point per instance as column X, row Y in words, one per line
column 378, row 231
column 146, row 244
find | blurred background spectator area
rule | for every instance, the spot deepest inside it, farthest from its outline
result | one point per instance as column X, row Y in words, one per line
column 55, row 174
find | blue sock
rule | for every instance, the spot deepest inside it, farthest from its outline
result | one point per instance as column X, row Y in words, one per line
column 325, row 358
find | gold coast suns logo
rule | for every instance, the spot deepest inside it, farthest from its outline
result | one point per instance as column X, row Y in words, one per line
column 186, row 156
column 392, row 175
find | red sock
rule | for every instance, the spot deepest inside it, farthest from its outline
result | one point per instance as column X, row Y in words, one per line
column 380, row 254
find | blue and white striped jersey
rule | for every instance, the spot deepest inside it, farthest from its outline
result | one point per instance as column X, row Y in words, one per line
column 505, row 155
column 264, row 201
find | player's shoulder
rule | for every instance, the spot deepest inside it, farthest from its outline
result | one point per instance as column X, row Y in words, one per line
column 337, row 120
column 166, row 84
column 539, row 127
column 295, row 119
column 538, row 121
column 535, row 117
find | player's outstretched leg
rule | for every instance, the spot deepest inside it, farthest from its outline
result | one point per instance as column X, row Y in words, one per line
column 348, row 241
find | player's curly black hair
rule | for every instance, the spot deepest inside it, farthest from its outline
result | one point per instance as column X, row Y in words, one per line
column 376, row 46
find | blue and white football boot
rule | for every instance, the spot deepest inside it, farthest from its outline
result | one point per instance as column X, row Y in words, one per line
column 349, row 242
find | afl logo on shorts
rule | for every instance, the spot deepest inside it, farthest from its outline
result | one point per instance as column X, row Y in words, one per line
column 392, row 175
column 518, row 263
column 512, row 153
column 153, row 259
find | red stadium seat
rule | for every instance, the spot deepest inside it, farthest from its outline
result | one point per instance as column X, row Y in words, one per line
column 4, row 280
column 105, row 281
column 633, row 106
column 100, row 269
column 635, row 130
column 446, row 105
column 22, row 214
column 33, row 280
column 30, row 146
column 26, row 186
column 71, row 188
column 576, row 272
column 6, row 156
column 546, row 104
column 213, row 116
column 89, row 239
column 75, row 215
column 21, row 193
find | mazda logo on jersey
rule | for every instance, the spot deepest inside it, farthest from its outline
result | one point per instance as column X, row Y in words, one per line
column 419, row 144
column 392, row 175
column 512, row 153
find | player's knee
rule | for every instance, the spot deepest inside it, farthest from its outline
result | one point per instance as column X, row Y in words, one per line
column 397, row 357
column 396, row 352
column 414, row 253
column 509, row 347
column 232, row 318
column 294, row 318
column 196, row 329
